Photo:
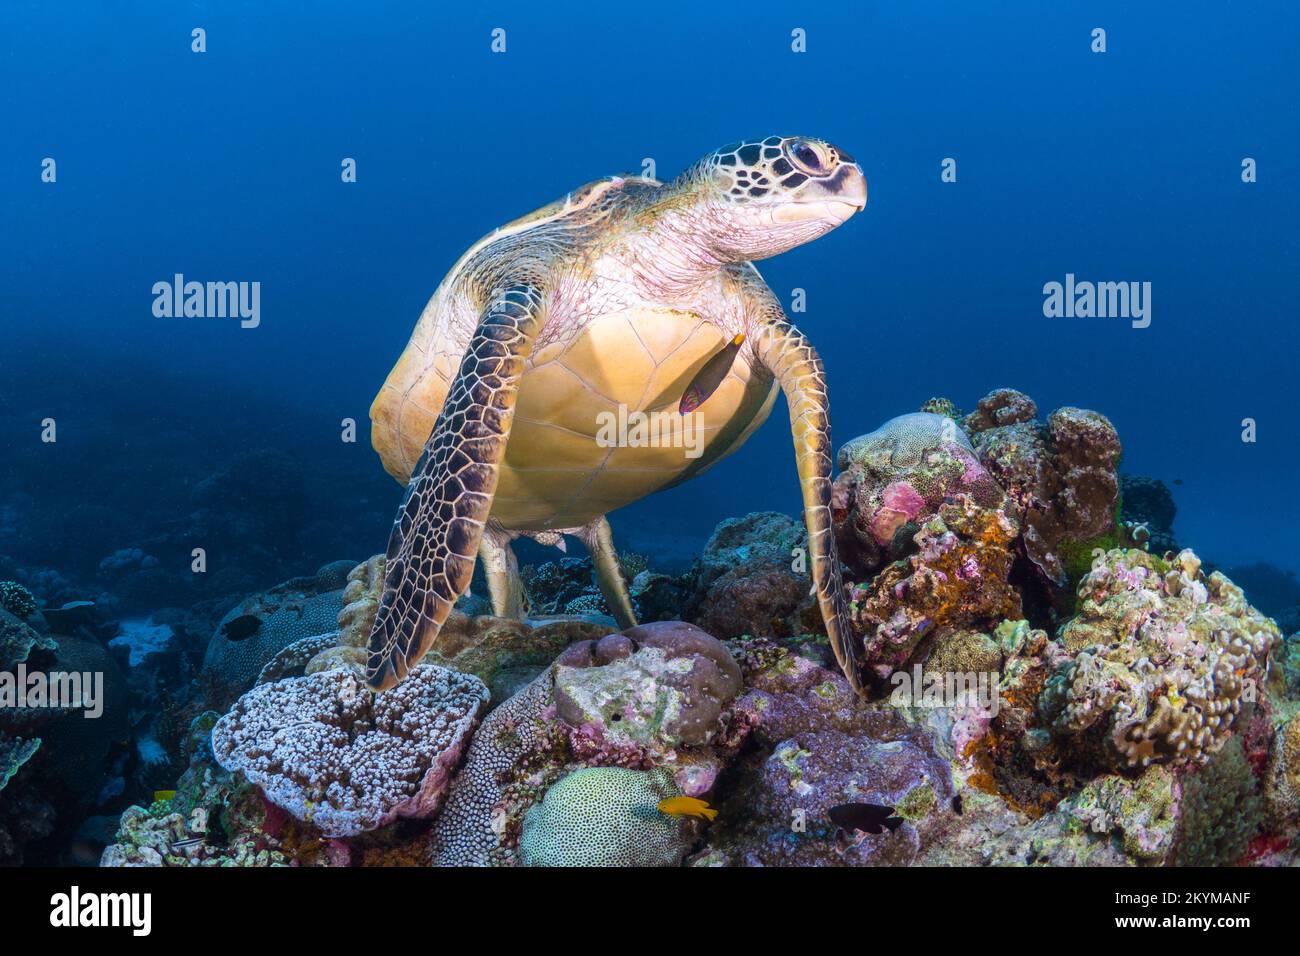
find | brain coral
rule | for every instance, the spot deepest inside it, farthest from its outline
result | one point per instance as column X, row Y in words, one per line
column 334, row 754
column 1164, row 658
column 606, row 816
column 261, row 626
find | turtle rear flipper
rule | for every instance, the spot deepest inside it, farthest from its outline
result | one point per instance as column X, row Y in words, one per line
column 440, row 525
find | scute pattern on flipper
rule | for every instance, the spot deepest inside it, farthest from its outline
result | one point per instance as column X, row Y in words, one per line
column 436, row 535
column 802, row 376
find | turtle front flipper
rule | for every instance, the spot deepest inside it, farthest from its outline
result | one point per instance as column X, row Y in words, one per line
column 790, row 357
column 439, row 527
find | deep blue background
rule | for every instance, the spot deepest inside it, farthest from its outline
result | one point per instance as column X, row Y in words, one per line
column 225, row 166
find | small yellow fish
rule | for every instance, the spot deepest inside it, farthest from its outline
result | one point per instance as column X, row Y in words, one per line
column 687, row 807
column 163, row 796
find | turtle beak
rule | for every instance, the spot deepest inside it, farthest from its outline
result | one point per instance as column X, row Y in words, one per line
column 853, row 186
column 846, row 192
column 835, row 199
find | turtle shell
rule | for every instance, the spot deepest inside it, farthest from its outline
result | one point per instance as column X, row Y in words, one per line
column 596, row 425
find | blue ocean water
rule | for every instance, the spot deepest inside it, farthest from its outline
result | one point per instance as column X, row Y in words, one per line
column 225, row 165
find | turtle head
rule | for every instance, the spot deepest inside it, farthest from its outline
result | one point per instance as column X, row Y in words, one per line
column 762, row 197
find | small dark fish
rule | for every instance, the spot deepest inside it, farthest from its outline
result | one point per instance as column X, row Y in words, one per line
column 956, row 804
column 868, row 817
column 1178, row 481
column 708, row 378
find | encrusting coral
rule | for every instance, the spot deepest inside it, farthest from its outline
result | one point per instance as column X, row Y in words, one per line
column 959, row 578
column 1061, row 475
column 895, row 478
column 332, row 753
column 660, row 685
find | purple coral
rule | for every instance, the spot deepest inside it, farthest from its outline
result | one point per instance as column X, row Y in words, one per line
column 332, row 753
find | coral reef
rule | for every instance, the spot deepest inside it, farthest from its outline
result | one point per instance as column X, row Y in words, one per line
column 1164, row 658
column 782, row 818
column 660, row 685
column 1135, row 708
column 958, row 579
column 1062, row 477
column 505, row 654
column 605, row 816
column 261, row 626
column 215, row 818
column 331, row 752
column 655, row 697
column 1149, row 502
column 751, row 579
column 1220, row 812
column 17, row 600
column 1282, row 783
column 18, row 639
column 895, row 478
column 13, row 754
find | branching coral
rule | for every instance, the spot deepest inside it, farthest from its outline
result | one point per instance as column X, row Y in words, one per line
column 1164, row 658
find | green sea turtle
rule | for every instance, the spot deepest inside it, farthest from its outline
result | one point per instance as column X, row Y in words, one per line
column 603, row 308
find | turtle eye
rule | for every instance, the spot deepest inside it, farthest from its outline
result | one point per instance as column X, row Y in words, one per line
column 808, row 157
